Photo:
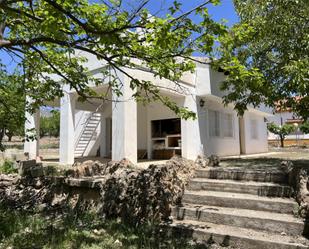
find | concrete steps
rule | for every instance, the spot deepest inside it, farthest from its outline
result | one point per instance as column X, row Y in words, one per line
column 246, row 208
column 246, row 218
column 87, row 134
column 241, row 175
column 241, row 201
column 248, row 187
column 240, row 238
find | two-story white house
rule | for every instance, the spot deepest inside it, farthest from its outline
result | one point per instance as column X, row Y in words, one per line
column 123, row 128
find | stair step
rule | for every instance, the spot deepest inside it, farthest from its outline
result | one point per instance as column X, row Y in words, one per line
column 238, row 200
column 80, row 147
column 236, row 236
column 252, row 219
column 246, row 187
column 242, row 174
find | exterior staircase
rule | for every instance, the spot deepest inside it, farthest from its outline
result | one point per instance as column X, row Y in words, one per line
column 87, row 134
column 240, row 208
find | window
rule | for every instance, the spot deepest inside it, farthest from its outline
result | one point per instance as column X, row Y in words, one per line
column 227, row 123
column 254, row 129
column 214, row 123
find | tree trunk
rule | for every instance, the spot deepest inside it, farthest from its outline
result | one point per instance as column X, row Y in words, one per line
column 281, row 141
column 2, row 133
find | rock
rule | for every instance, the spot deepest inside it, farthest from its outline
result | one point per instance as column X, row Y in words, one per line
column 202, row 161
column 37, row 170
column 287, row 166
column 25, row 167
column 214, row 161
column 99, row 232
column 87, row 168
column 118, row 243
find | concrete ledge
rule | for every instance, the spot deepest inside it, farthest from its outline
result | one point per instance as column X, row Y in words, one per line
column 93, row 183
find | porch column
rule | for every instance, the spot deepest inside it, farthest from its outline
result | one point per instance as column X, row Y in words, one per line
column 191, row 145
column 67, row 127
column 103, row 144
column 32, row 127
column 124, row 126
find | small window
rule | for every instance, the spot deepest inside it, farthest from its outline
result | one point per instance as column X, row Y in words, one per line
column 214, row 123
column 254, row 129
column 227, row 123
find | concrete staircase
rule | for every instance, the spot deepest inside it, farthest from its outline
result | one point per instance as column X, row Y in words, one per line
column 240, row 208
column 86, row 134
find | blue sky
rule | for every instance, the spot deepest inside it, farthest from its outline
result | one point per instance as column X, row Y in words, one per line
column 224, row 11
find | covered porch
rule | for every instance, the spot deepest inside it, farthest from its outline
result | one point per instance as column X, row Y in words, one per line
column 121, row 128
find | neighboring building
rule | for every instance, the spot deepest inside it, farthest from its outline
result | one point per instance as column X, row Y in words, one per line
column 125, row 129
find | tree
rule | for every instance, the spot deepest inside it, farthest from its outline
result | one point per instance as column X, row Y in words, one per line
column 281, row 130
column 266, row 55
column 304, row 127
column 50, row 125
column 46, row 35
column 12, row 104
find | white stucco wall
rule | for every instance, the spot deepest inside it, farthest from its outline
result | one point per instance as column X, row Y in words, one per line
column 251, row 145
column 216, row 78
column 141, row 127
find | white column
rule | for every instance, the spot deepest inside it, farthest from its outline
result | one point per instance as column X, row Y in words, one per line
column 32, row 127
column 124, row 126
column 103, row 142
column 191, row 145
column 67, row 128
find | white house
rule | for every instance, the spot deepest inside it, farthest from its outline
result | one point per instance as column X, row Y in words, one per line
column 123, row 128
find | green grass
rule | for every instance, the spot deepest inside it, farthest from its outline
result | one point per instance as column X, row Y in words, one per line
column 20, row 230
column 7, row 167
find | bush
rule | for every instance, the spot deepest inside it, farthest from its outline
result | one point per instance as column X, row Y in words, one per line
column 7, row 168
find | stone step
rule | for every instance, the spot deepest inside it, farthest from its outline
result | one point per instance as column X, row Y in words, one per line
column 242, row 201
column 246, row 187
column 241, row 238
column 242, row 174
column 252, row 219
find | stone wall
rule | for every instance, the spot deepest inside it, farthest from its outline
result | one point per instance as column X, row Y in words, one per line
column 115, row 190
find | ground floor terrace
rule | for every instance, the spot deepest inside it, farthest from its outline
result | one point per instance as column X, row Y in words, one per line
column 119, row 127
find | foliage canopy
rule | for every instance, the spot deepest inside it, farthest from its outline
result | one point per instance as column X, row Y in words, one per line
column 48, row 34
column 267, row 54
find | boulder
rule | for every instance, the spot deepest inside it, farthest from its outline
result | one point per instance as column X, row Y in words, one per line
column 25, row 167
column 214, row 161
column 202, row 161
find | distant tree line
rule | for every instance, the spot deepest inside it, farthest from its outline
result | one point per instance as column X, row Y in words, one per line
column 50, row 125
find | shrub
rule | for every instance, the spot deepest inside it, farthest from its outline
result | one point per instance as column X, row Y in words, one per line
column 7, row 168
